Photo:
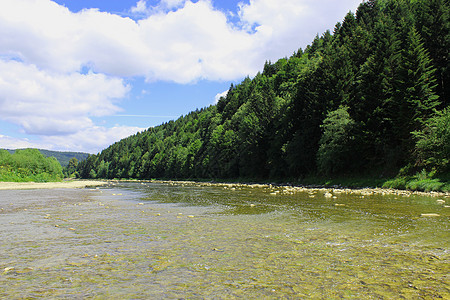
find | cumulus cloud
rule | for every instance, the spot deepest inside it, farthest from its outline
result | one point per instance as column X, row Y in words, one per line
column 141, row 7
column 190, row 42
column 220, row 95
column 92, row 139
column 284, row 26
column 53, row 104
column 8, row 142
column 170, row 4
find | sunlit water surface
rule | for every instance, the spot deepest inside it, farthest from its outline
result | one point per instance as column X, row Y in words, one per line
column 190, row 241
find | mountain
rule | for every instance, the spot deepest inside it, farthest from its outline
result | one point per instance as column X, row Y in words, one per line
column 362, row 100
column 62, row 157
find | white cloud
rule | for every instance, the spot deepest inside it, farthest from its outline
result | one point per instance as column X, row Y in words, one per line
column 52, row 104
column 284, row 26
column 8, row 142
column 92, row 139
column 220, row 95
column 196, row 42
column 141, row 7
column 170, row 4
column 143, row 10
column 190, row 42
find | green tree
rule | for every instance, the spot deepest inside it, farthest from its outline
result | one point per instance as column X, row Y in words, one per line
column 29, row 165
column 72, row 167
column 433, row 24
column 92, row 174
column 432, row 149
column 335, row 154
column 413, row 98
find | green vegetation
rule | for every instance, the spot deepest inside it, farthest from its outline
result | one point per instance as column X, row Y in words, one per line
column 70, row 171
column 433, row 143
column 422, row 181
column 63, row 157
column 29, row 165
column 369, row 100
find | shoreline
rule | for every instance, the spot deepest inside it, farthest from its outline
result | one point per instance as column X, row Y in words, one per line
column 278, row 188
column 75, row 184
column 291, row 189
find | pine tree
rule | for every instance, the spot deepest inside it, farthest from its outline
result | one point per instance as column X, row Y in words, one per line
column 433, row 24
column 414, row 98
column 374, row 91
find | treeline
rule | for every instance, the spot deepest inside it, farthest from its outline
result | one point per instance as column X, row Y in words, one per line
column 368, row 99
column 29, row 165
column 63, row 157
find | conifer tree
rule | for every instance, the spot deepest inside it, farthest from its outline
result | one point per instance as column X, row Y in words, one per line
column 414, row 98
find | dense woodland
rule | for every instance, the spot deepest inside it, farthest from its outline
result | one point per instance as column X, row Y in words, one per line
column 370, row 98
column 29, row 165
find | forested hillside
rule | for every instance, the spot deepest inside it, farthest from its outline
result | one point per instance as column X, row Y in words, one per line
column 369, row 98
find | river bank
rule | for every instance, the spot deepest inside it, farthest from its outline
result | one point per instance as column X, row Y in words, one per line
column 73, row 184
column 275, row 189
column 281, row 189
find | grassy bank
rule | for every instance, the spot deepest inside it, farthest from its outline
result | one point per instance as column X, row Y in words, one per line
column 419, row 182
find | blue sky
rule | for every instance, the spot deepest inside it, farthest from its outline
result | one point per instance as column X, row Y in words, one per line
column 79, row 75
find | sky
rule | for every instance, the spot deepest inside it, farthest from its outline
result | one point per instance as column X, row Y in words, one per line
column 79, row 75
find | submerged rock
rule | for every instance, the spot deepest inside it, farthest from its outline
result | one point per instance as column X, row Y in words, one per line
column 7, row 269
column 430, row 215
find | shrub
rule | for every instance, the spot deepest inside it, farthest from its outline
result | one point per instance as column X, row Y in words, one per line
column 433, row 143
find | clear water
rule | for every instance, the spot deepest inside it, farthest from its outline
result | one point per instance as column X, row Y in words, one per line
column 194, row 241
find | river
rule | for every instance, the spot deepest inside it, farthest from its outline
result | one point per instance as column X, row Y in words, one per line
column 163, row 240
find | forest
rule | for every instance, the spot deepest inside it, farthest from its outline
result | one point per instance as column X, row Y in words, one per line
column 29, row 165
column 370, row 98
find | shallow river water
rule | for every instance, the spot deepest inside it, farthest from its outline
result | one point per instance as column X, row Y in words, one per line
column 150, row 240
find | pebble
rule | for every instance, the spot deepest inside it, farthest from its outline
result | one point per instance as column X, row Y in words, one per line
column 7, row 269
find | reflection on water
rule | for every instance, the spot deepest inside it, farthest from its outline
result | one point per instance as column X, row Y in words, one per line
column 163, row 240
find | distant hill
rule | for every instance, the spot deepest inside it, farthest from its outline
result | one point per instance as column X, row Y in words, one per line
column 62, row 157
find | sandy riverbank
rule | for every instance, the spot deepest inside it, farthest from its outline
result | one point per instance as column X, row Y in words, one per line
column 50, row 185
